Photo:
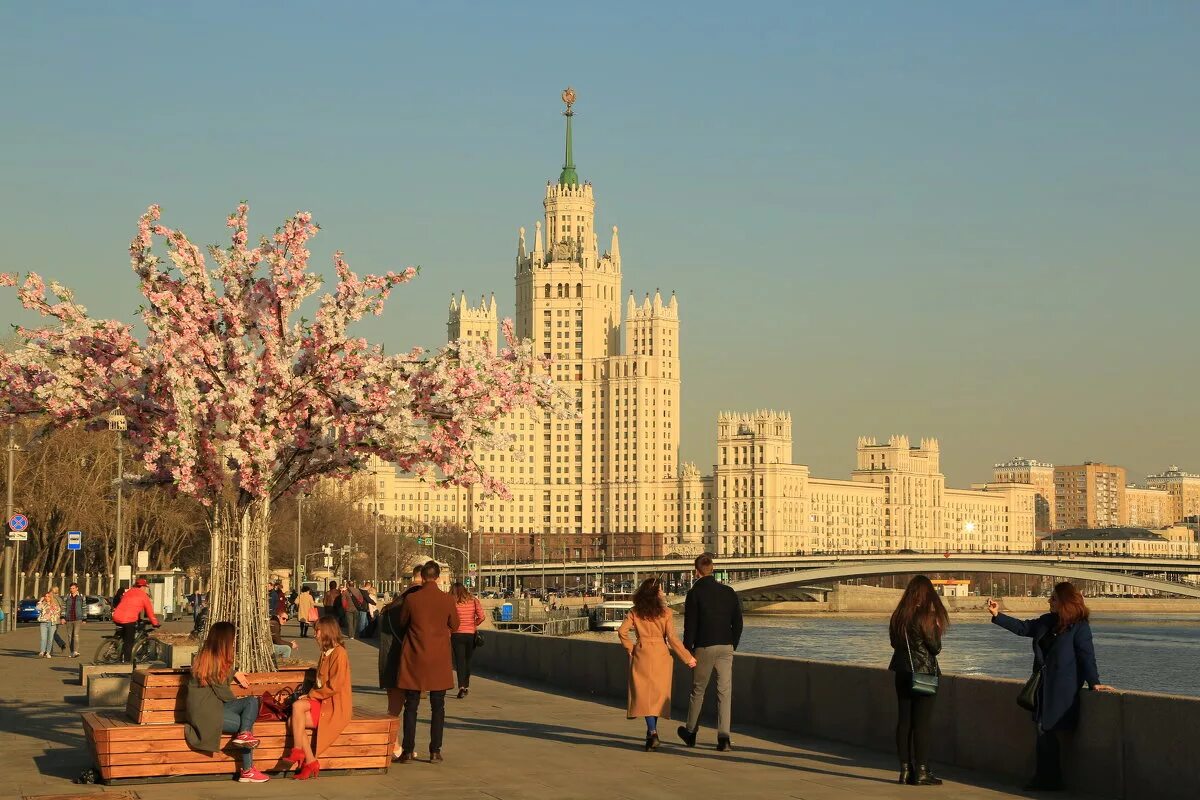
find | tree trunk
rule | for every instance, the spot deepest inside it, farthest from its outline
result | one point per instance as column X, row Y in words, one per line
column 237, row 593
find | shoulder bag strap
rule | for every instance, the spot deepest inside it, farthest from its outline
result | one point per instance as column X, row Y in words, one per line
column 908, row 647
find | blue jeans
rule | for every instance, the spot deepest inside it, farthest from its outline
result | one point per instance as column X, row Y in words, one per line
column 363, row 619
column 240, row 715
column 282, row 650
column 48, row 632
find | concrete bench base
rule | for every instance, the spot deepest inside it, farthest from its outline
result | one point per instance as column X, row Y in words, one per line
column 108, row 690
column 87, row 671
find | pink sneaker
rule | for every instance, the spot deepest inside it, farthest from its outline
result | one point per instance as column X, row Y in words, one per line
column 246, row 739
column 252, row 776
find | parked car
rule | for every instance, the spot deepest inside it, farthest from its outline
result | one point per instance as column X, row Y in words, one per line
column 27, row 610
column 97, row 608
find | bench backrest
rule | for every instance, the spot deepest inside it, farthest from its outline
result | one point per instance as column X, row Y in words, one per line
column 158, row 696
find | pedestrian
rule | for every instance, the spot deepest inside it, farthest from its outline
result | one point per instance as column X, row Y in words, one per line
column 306, row 611
column 462, row 641
column 332, row 603
column 650, row 656
column 359, row 609
column 74, row 614
column 328, row 706
column 276, row 599
column 211, row 707
column 391, row 640
column 1064, row 658
column 712, row 630
column 48, row 615
column 199, row 602
column 916, row 630
column 135, row 601
column 281, row 647
column 429, row 617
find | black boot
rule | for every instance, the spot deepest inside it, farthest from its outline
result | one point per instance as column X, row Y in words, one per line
column 925, row 777
column 651, row 741
column 723, row 744
column 688, row 737
column 906, row 774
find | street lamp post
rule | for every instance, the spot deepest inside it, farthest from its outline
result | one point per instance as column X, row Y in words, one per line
column 542, row 542
column 117, row 423
column 299, row 562
column 375, row 520
column 12, row 565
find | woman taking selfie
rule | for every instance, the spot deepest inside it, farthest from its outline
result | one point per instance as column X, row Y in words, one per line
column 916, row 631
column 1063, row 660
column 327, row 708
column 650, row 656
column 211, row 707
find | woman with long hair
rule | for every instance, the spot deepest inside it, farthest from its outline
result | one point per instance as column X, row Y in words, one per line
column 1064, row 658
column 650, row 656
column 335, row 605
column 916, row 630
column 462, row 641
column 306, row 610
column 327, row 707
column 211, row 706
column 48, row 613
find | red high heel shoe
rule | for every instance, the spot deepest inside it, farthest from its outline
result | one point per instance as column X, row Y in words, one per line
column 293, row 760
column 311, row 769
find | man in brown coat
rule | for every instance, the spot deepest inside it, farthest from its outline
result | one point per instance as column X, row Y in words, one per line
column 429, row 617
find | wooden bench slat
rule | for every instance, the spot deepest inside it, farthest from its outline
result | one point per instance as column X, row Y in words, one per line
column 262, row 754
column 134, row 746
column 218, row 768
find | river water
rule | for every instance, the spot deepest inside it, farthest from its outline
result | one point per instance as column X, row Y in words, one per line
column 1142, row 652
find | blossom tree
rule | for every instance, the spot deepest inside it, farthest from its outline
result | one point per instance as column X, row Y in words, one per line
column 233, row 399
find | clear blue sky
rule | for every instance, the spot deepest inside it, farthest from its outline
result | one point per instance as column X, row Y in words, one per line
column 976, row 223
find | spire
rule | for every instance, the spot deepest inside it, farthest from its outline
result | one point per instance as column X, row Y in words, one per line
column 615, row 250
column 537, row 238
column 521, row 244
column 568, row 177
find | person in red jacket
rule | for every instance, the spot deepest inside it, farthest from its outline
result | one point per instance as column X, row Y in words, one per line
column 134, row 602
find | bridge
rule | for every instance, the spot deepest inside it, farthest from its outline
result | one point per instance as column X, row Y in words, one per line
column 761, row 572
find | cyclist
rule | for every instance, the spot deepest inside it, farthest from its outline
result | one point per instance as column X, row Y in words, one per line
column 134, row 602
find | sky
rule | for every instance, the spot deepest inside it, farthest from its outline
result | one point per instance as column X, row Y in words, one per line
column 972, row 222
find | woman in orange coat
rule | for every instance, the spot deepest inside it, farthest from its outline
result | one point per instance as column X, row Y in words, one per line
column 650, row 656
column 328, row 707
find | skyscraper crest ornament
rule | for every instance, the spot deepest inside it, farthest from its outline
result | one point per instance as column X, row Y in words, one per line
column 568, row 97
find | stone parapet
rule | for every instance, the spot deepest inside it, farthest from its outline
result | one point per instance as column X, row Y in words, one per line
column 1132, row 745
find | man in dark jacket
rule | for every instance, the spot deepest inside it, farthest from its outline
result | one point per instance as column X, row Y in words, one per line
column 712, row 628
column 429, row 617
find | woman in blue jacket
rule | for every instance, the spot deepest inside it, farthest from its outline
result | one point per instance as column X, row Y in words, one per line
column 1063, row 653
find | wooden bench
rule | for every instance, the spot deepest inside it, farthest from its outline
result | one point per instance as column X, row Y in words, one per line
column 146, row 743
column 125, row 750
column 157, row 696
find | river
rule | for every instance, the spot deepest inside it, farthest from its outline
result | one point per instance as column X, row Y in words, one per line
column 1142, row 652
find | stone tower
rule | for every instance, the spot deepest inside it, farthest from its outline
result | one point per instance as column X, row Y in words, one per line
column 470, row 324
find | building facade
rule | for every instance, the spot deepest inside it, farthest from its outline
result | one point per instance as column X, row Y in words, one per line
column 1184, row 488
column 609, row 484
column 1041, row 476
column 1089, row 495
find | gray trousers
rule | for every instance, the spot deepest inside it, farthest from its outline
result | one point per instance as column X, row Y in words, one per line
column 73, row 634
column 719, row 657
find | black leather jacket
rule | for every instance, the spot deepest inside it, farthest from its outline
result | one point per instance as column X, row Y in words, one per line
column 924, row 653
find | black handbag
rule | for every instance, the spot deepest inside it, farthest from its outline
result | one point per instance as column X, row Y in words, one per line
column 1027, row 698
column 478, row 639
column 922, row 683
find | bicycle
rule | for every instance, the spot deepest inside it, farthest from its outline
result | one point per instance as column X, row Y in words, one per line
column 144, row 647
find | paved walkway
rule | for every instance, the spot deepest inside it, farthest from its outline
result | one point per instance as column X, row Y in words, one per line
column 505, row 741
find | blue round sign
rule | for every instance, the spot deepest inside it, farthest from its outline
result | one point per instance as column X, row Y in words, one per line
column 19, row 522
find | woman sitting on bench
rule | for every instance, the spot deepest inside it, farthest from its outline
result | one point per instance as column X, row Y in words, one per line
column 211, row 707
column 328, row 707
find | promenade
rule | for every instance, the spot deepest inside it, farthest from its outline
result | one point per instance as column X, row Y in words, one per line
column 507, row 741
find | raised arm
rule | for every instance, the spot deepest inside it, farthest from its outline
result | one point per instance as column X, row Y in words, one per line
column 623, row 633
column 1017, row 626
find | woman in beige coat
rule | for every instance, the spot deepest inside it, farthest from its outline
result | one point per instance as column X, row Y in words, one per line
column 650, row 656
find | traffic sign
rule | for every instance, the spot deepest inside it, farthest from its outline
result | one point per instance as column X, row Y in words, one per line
column 18, row 536
column 74, row 540
column 19, row 522
column 472, row 566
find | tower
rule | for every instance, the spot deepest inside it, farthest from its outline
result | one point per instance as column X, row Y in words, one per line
column 475, row 325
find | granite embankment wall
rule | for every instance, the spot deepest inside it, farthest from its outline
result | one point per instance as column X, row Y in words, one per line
column 1130, row 745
